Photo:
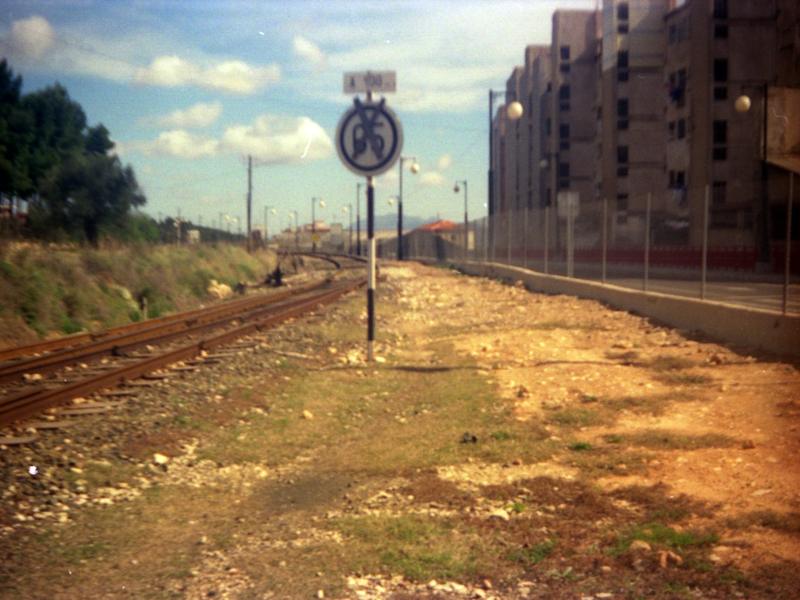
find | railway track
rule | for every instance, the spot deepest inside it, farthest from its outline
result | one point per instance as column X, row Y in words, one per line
column 41, row 376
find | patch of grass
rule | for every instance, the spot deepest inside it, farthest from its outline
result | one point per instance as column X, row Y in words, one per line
column 786, row 522
column 578, row 416
column 669, row 440
column 684, row 379
column 661, row 535
column 418, row 548
column 665, row 362
column 530, row 555
column 580, row 446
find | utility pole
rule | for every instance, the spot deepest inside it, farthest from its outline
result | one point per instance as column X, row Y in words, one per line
column 249, row 200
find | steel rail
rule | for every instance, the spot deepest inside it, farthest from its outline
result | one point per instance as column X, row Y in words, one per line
column 82, row 338
column 33, row 401
column 111, row 344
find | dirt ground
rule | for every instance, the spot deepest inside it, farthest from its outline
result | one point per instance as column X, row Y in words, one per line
column 504, row 445
column 553, row 353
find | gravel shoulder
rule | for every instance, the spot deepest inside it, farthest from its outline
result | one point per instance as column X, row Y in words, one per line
column 506, row 444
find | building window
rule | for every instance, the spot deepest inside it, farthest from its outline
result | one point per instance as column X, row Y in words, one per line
column 720, row 92
column 720, row 132
column 622, row 172
column 671, row 129
column 673, row 33
column 720, row 69
column 622, row 59
column 622, row 154
column 720, row 153
column 622, row 124
column 720, row 9
column 683, row 30
column 563, row 170
column 622, row 28
column 681, row 128
column 563, row 131
column 564, row 67
column 622, row 107
column 563, row 97
column 719, row 189
column 622, row 201
column 564, row 52
column 721, row 31
column 622, row 11
column 622, row 75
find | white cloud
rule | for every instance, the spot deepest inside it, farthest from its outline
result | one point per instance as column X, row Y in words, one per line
column 444, row 162
column 179, row 143
column 229, row 76
column 32, row 38
column 432, row 179
column 275, row 139
column 195, row 117
column 309, row 51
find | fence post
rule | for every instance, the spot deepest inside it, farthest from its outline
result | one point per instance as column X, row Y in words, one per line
column 647, row 241
column 704, row 266
column 605, row 238
column 788, row 242
column 546, row 235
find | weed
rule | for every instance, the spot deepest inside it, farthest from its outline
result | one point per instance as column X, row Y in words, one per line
column 656, row 533
column 500, row 436
column 530, row 555
column 580, row 446
column 572, row 416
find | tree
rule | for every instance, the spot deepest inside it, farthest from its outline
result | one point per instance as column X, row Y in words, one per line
column 59, row 129
column 16, row 128
column 89, row 192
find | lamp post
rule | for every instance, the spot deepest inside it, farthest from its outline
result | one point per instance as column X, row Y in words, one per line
column 414, row 169
column 314, row 222
column 466, row 218
column 742, row 105
column 513, row 112
column 349, row 210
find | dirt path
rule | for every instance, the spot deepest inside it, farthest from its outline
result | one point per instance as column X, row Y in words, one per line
column 505, row 445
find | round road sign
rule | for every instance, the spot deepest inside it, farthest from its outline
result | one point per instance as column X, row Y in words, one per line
column 369, row 138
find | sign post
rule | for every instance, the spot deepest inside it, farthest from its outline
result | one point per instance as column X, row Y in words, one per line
column 369, row 140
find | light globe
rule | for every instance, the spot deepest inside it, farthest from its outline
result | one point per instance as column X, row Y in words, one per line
column 742, row 103
column 514, row 110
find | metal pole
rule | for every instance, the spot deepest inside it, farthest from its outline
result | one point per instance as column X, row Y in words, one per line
column 490, row 207
column 546, row 235
column 788, row 243
column 249, row 200
column 400, row 215
column 370, row 269
column 605, row 238
column 525, row 239
column 647, row 242
column 466, row 224
column 704, row 265
column 358, row 219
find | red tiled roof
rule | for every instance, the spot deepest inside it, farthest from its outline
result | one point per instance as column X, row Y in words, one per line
column 441, row 225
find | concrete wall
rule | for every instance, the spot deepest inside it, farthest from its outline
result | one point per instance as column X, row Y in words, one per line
column 764, row 329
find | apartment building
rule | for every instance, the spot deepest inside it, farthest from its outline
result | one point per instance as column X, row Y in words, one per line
column 718, row 51
column 635, row 106
column 630, row 146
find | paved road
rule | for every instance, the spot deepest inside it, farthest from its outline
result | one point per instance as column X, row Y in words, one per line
column 756, row 295
column 766, row 294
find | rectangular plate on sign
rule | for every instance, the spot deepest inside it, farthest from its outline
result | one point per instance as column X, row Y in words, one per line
column 361, row 82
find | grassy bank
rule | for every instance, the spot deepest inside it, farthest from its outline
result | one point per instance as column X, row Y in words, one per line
column 48, row 290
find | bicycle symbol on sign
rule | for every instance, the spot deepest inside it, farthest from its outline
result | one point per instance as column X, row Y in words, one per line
column 364, row 133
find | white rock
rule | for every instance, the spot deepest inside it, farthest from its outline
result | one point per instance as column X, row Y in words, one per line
column 160, row 459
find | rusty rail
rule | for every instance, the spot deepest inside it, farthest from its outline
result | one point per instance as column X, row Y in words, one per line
column 32, row 401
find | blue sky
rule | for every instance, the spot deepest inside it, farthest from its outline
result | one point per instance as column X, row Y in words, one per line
column 189, row 88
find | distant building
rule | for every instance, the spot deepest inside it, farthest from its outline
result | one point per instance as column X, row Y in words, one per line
column 634, row 105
